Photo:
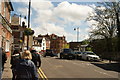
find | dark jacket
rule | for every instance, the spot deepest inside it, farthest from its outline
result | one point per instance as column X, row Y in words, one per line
column 4, row 58
column 36, row 58
column 14, row 59
column 26, row 70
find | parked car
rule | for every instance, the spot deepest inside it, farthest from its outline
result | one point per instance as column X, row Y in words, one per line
column 67, row 54
column 91, row 56
column 78, row 54
column 49, row 52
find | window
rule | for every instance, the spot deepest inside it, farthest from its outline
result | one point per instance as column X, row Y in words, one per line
column 21, row 34
column 43, row 44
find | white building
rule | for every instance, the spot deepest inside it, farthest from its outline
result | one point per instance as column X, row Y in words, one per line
column 43, row 44
column 39, row 44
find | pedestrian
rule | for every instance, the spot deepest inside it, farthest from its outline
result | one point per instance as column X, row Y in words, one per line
column 3, row 59
column 14, row 60
column 35, row 58
column 25, row 68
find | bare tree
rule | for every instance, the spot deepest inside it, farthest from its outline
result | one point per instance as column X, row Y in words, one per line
column 108, row 24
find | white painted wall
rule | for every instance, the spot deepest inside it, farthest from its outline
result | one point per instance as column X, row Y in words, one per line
column 37, row 48
column 43, row 47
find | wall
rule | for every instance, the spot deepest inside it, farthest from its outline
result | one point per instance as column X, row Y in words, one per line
column 6, row 32
column 43, row 44
column 5, row 11
column 0, row 7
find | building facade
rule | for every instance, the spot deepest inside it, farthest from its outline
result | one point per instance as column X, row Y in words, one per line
column 78, row 46
column 36, row 43
column 56, row 42
column 75, row 46
column 17, row 32
column 41, row 43
column 6, row 37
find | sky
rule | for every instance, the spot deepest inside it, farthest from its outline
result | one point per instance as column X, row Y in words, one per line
column 58, row 17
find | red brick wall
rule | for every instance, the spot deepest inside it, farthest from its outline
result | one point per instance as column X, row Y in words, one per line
column 5, row 11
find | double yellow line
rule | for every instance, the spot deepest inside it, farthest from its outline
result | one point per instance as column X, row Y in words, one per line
column 42, row 75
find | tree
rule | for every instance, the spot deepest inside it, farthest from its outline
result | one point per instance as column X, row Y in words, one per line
column 108, row 24
column 28, row 31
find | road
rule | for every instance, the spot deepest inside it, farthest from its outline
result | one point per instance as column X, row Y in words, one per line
column 75, row 69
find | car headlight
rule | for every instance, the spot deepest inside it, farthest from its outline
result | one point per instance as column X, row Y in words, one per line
column 96, row 58
column 90, row 57
column 79, row 54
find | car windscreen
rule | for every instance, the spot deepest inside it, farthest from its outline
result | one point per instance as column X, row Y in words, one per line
column 90, row 53
column 68, row 51
column 49, row 51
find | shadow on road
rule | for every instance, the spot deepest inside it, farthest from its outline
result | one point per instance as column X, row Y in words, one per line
column 109, row 66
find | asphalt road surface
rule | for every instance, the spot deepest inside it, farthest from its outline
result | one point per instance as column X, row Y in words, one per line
column 77, row 69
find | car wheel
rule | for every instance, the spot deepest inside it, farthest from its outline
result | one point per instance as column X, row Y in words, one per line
column 70, row 58
column 44, row 56
column 52, row 55
column 88, row 59
column 61, row 57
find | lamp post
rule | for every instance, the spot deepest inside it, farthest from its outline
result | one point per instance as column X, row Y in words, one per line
column 28, row 24
column 77, row 29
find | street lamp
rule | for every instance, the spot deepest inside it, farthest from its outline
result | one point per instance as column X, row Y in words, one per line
column 29, row 14
column 28, row 24
column 77, row 29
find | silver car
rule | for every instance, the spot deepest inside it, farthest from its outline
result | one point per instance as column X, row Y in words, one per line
column 90, row 56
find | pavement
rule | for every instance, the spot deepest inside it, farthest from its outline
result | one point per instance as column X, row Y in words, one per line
column 7, row 73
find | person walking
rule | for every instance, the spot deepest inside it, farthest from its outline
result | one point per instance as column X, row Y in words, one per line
column 14, row 60
column 25, row 68
column 36, row 58
column 3, row 59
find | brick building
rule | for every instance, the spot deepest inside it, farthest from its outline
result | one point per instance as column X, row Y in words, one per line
column 56, row 42
column 76, row 46
column 18, row 32
column 6, row 37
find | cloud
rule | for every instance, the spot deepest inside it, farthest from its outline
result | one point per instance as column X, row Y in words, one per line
column 23, row 11
column 50, row 28
column 28, row 0
column 63, row 15
column 42, row 5
column 72, row 12
column 59, row 19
